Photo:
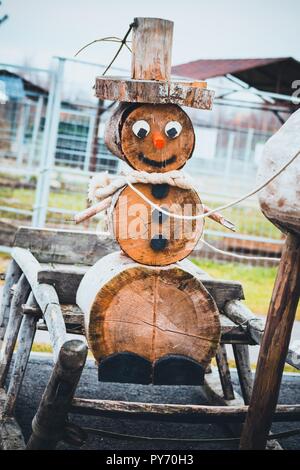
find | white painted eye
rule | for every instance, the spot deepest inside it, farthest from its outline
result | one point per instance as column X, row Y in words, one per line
column 173, row 129
column 141, row 129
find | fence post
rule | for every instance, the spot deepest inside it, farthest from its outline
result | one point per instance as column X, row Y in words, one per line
column 89, row 144
column 21, row 131
column 35, row 132
column 248, row 150
column 49, row 147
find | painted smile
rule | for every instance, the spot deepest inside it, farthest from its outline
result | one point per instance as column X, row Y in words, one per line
column 155, row 163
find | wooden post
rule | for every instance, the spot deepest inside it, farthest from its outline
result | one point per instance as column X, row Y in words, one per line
column 12, row 276
column 95, row 145
column 242, row 361
column 48, row 425
column 151, row 49
column 224, row 372
column 274, row 347
column 26, row 337
column 15, row 317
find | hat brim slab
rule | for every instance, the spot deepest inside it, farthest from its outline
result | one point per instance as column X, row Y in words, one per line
column 192, row 94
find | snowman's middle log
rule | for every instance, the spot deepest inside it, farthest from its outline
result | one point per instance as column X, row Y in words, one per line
column 147, row 235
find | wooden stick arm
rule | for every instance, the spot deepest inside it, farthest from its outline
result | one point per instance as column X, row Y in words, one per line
column 92, row 211
column 217, row 217
column 103, row 205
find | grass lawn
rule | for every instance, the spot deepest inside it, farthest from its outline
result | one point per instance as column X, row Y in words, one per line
column 257, row 282
column 24, row 199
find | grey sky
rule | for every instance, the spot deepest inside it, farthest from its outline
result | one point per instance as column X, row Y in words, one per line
column 39, row 29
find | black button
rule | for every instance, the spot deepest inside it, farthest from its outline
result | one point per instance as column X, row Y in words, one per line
column 158, row 243
column 160, row 190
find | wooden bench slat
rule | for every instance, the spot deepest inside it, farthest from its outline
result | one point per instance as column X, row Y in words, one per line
column 64, row 246
column 174, row 412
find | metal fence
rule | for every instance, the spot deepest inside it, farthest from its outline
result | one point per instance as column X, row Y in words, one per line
column 51, row 142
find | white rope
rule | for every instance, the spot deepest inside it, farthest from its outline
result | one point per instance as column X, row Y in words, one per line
column 218, row 209
column 102, row 186
column 235, row 255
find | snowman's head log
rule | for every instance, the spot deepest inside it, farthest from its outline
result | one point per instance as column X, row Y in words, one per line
column 151, row 137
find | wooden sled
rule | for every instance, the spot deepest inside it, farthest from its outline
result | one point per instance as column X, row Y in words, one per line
column 41, row 284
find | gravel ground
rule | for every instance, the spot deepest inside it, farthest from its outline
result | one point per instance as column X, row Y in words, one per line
column 38, row 372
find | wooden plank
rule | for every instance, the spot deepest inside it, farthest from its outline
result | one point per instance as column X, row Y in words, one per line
column 64, row 246
column 167, row 412
column 20, row 296
column 274, row 347
column 223, row 291
column 191, row 94
column 45, row 296
column 25, row 340
column 242, row 361
column 48, row 425
column 254, row 328
column 224, row 372
column 232, row 332
column 241, row 315
column 11, row 277
column 64, row 278
column 263, row 248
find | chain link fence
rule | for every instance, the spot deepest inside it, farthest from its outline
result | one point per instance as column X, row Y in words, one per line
column 51, row 143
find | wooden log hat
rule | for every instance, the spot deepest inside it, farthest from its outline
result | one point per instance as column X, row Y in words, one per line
column 148, row 129
column 150, row 80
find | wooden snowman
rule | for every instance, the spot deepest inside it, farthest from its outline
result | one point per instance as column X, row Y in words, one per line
column 149, row 319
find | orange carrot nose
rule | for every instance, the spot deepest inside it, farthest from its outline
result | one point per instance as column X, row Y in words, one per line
column 158, row 140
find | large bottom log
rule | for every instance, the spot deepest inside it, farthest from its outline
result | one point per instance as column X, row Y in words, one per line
column 149, row 311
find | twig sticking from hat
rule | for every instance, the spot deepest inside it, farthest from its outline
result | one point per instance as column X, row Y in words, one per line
column 123, row 42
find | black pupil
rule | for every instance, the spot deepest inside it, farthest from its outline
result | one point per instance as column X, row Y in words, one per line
column 172, row 132
column 142, row 133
